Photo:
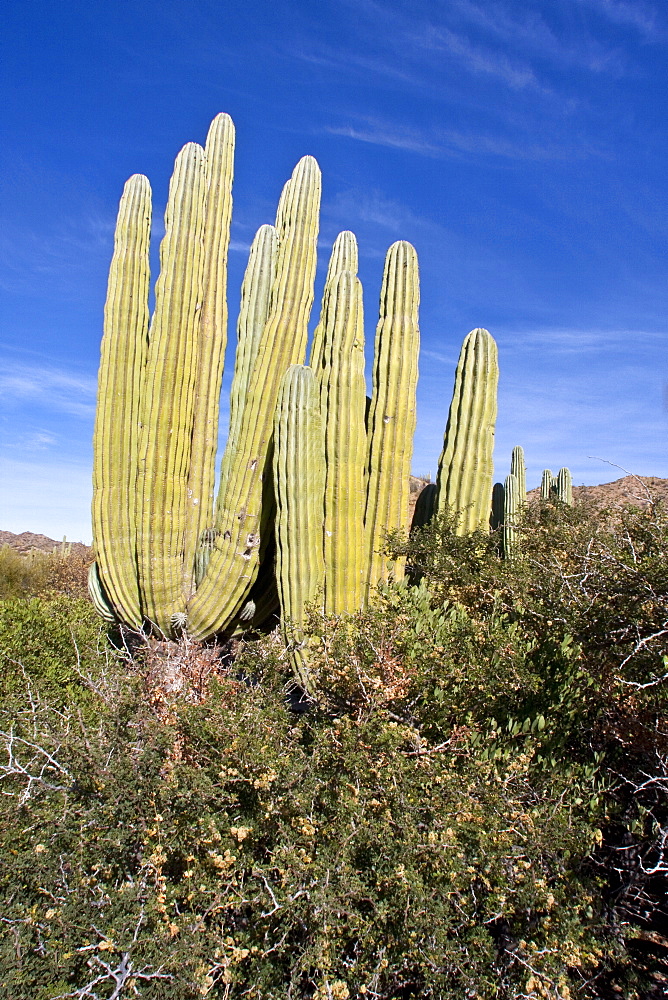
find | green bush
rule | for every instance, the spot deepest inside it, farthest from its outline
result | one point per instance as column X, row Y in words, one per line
column 450, row 819
column 55, row 648
column 39, row 574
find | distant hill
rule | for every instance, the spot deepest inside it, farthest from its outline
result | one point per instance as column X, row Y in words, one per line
column 623, row 492
column 28, row 541
column 630, row 490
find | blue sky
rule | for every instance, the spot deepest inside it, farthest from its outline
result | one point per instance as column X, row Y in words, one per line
column 519, row 144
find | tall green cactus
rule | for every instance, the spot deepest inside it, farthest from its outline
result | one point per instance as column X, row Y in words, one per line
column 511, row 507
column 156, row 534
column 343, row 405
column 234, row 560
column 392, row 415
column 559, row 487
column 299, row 482
column 116, row 435
column 339, row 467
column 466, row 464
column 344, row 257
column 519, row 470
column 253, row 315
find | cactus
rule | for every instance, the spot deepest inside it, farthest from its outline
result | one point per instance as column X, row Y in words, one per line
column 498, row 505
column 299, row 482
column 99, row 597
column 519, row 470
column 424, row 506
column 466, row 466
column 564, row 486
column 547, row 485
column 392, row 415
column 344, row 257
column 338, row 463
column 342, row 406
column 511, row 505
column 115, row 440
column 235, row 557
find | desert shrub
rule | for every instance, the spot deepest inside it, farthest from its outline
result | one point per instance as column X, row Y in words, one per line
column 35, row 573
column 22, row 575
column 454, row 816
column 239, row 851
column 55, row 646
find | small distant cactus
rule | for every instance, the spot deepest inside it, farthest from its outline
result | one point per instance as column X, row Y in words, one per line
column 559, row 487
column 548, row 485
column 565, row 486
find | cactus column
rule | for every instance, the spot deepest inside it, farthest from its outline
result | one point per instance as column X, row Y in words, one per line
column 115, row 440
column 466, row 465
column 234, row 558
column 343, row 407
column 519, row 470
column 392, row 415
column 299, row 482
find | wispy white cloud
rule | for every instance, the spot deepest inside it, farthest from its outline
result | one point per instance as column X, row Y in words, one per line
column 379, row 134
column 581, row 341
column 479, row 59
column 526, row 30
column 447, row 143
column 634, row 13
column 48, row 386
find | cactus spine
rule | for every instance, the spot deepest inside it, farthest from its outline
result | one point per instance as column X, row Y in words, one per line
column 392, row 415
column 299, row 482
column 466, row 466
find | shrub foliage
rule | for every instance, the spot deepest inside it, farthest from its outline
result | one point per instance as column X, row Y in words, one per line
column 475, row 805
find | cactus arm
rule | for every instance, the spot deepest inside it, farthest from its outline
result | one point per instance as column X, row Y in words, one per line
column 169, row 388
column 235, row 557
column 211, row 338
column 99, row 597
column 344, row 257
column 466, row 465
column 343, row 405
column 299, row 484
column 115, row 440
column 253, row 315
column 393, row 411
